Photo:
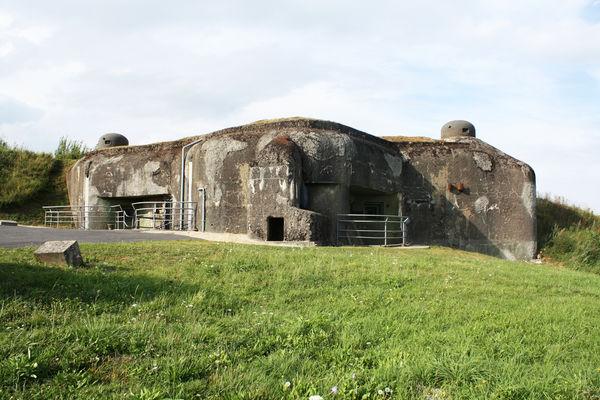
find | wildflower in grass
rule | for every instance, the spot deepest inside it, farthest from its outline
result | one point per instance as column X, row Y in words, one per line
column 380, row 392
column 315, row 397
column 287, row 385
column 354, row 376
column 334, row 390
column 388, row 391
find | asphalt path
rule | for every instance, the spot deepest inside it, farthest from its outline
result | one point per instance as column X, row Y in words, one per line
column 23, row 236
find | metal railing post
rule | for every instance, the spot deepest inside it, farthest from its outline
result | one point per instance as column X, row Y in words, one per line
column 337, row 230
column 403, row 232
column 203, row 205
column 385, row 232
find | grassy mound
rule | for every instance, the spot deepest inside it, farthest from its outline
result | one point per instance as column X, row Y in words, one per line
column 569, row 234
column 30, row 180
column 554, row 214
column 23, row 174
column 223, row 321
column 578, row 248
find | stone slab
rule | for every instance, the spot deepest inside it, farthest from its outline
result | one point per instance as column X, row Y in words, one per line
column 61, row 252
column 4, row 222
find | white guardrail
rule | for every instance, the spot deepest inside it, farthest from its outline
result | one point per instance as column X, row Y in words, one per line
column 84, row 217
column 371, row 230
column 165, row 215
column 146, row 215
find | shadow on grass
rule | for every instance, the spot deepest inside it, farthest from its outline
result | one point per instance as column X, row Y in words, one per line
column 96, row 283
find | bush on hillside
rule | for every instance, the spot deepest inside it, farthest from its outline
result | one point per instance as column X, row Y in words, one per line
column 568, row 234
column 70, row 149
column 579, row 248
column 554, row 214
column 31, row 180
column 23, row 174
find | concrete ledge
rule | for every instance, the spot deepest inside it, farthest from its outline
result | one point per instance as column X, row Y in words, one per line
column 4, row 222
column 241, row 238
column 245, row 239
column 411, row 247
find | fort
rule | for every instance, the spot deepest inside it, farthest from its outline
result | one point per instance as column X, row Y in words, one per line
column 301, row 179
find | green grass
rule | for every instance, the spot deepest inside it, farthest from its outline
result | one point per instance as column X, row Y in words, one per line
column 30, row 180
column 223, row 321
column 554, row 214
column 568, row 234
column 22, row 174
column 579, row 248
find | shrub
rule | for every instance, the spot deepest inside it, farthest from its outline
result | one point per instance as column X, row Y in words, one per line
column 579, row 248
column 554, row 214
column 23, row 174
column 70, row 149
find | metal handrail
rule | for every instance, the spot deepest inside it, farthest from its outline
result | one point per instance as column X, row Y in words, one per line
column 165, row 215
column 375, row 229
column 80, row 217
column 121, row 218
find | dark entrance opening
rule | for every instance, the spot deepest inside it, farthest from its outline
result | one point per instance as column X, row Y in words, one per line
column 275, row 229
column 374, row 208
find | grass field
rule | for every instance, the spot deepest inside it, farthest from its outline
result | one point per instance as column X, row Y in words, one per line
column 222, row 321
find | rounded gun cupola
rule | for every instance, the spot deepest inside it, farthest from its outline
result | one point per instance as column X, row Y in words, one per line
column 458, row 128
column 111, row 140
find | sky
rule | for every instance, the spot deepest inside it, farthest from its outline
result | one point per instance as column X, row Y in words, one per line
column 525, row 73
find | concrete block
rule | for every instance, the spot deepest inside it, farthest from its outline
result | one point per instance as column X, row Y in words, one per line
column 63, row 252
column 4, row 222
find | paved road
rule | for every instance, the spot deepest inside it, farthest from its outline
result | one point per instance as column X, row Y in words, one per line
column 21, row 236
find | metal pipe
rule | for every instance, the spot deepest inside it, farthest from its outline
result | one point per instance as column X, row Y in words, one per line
column 182, row 187
column 203, row 209
column 385, row 232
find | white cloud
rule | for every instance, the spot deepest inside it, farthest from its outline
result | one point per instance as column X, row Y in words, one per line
column 35, row 34
column 6, row 48
column 6, row 20
column 13, row 111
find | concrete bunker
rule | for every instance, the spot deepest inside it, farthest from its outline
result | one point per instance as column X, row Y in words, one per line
column 300, row 179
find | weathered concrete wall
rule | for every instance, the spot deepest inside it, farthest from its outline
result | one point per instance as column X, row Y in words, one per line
column 106, row 177
column 244, row 170
column 459, row 192
column 274, row 192
column 468, row 194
